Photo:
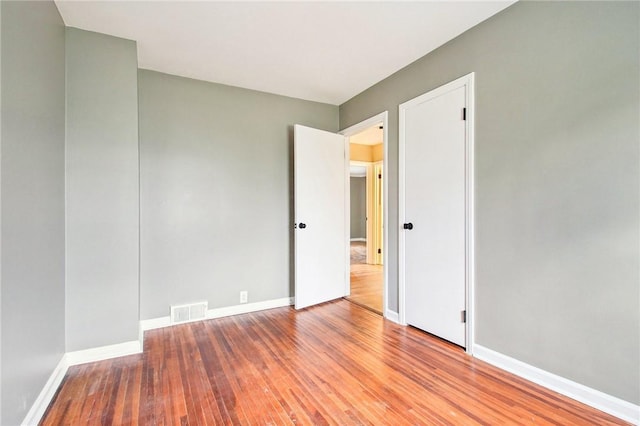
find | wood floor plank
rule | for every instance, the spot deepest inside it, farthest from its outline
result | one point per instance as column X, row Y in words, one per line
column 333, row 364
column 366, row 286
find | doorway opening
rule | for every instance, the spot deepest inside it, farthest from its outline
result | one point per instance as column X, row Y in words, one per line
column 367, row 201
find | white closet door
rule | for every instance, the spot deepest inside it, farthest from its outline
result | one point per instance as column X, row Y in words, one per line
column 434, row 225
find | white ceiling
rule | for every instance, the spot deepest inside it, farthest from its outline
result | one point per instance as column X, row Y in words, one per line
column 320, row 51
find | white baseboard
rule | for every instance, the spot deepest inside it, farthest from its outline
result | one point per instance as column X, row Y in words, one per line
column 364, row 240
column 103, row 352
column 392, row 316
column 592, row 397
column 35, row 413
column 152, row 324
column 249, row 307
column 227, row 311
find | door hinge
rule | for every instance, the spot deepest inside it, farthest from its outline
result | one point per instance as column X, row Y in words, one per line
column 463, row 316
column 379, row 176
column 379, row 251
column 464, row 114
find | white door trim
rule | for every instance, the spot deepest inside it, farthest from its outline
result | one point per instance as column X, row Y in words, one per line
column 368, row 226
column 347, row 216
column 383, row 118
column 468, row 82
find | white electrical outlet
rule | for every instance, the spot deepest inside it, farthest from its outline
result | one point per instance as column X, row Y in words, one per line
column 244, row 296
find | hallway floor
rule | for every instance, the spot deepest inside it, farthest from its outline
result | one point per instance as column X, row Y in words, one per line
column 366, row 280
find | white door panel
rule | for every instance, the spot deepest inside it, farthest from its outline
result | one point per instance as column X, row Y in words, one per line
column 435, row 204
column 320, row 212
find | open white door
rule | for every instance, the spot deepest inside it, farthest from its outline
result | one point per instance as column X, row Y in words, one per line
column 320, row 178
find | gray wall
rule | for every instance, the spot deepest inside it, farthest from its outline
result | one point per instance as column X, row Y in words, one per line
column 102, row 190
column 32, row 193
column 1, row 382
column 216, row 188
column 358, row 196
column 557, row 174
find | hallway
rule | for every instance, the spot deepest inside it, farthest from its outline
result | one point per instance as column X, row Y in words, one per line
column 366, row 280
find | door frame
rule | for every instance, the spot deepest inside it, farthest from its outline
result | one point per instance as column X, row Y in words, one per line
column 369, row 208
column 376, row 191
column 383, row 118
column 466, row 81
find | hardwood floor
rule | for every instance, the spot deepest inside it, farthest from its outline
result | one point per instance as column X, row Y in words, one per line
column 336, row 363
column 358, row 252
column 366, row 286
column 366, row 280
